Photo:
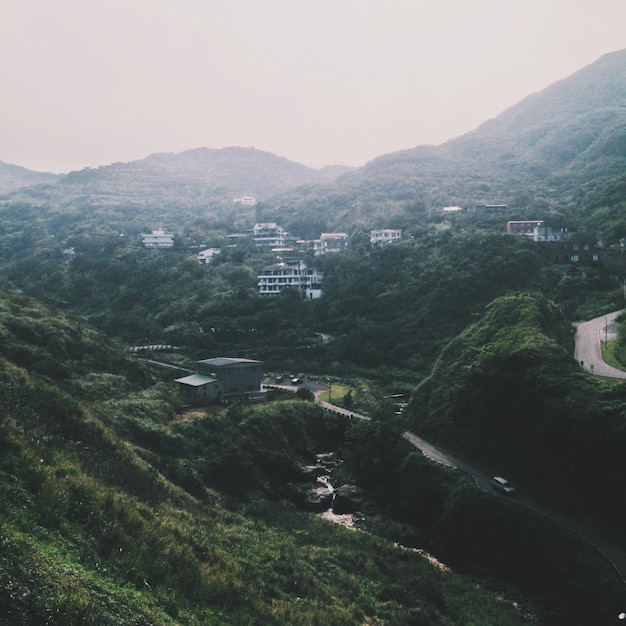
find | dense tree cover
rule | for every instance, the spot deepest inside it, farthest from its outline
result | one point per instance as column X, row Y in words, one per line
column 507, row 390
column 390, row 310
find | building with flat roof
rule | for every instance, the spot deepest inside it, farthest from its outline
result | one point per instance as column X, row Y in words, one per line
column 382, row 236
column 158, row 238
column 269, row 234
column 274, row 278
column 523, row 227
column 330, row 242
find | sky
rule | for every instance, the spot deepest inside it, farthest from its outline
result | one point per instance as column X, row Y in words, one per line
column 86, row 83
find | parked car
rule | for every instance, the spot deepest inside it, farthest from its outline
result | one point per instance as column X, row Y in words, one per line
column 296, row 380
column 279, row 378
column 502, row 485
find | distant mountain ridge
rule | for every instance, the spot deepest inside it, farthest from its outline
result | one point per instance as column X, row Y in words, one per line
column 14, row 177
column 195, row 176
column 540, row 152
column 564, row 146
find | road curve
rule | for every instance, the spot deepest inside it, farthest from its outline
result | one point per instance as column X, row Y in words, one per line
column 588, row 345
column 608, row 550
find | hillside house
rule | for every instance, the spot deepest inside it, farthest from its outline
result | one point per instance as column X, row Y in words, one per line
column 556, row 246
column 330, row 242
column 198, row 389
column 307, row 280
column 223, row 379
column 270, row 235
column 383, row 236
column 523, row 227
column 157, row 239
column 206, row 256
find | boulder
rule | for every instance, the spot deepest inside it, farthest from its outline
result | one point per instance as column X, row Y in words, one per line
column 310, row 498
column 349, row 499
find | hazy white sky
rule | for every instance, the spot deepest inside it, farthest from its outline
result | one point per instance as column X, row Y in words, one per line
column 91, row 82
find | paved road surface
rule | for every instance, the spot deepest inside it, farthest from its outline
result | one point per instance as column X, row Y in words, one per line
column 611, row 552
column 588, row 350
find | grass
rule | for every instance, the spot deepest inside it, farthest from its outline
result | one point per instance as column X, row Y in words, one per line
column 610, row 357
column 336, row 393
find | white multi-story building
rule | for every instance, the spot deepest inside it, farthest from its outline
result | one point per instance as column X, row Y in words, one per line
column 330, row 242
column 271, row 235
column 157, row 239
column 307, row 280
column 384, row 235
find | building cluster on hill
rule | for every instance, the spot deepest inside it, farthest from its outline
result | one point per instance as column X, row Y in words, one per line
column 290, row 272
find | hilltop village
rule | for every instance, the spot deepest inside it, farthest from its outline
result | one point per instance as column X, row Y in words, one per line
column 292, row 272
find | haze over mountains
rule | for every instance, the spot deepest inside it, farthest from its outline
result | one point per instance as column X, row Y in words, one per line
column 574, row 129
column 121, row 505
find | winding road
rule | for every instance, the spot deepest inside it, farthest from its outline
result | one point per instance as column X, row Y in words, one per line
column 588, row 350
column 613, row 554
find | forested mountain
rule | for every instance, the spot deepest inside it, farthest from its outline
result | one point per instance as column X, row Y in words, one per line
column 170, row 517
column 445, row 270
column 564, row 148
column 13, row 177
column 171, row 189
column 197, row 176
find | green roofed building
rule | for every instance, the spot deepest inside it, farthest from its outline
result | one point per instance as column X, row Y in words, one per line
column 198, row 389
column 224, row 378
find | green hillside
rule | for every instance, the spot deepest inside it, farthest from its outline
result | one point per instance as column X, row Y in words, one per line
column 117, row 510
column 507, row 392
column 168, row 190
column 541, row 153
column 120, row 507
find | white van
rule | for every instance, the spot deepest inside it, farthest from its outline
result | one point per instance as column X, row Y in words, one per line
column 502, row 485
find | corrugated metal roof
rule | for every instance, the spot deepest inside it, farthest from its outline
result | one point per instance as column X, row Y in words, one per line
column 222, row 361
column 196, row 380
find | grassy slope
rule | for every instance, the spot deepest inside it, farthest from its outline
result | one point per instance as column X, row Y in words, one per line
column 97, row 526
